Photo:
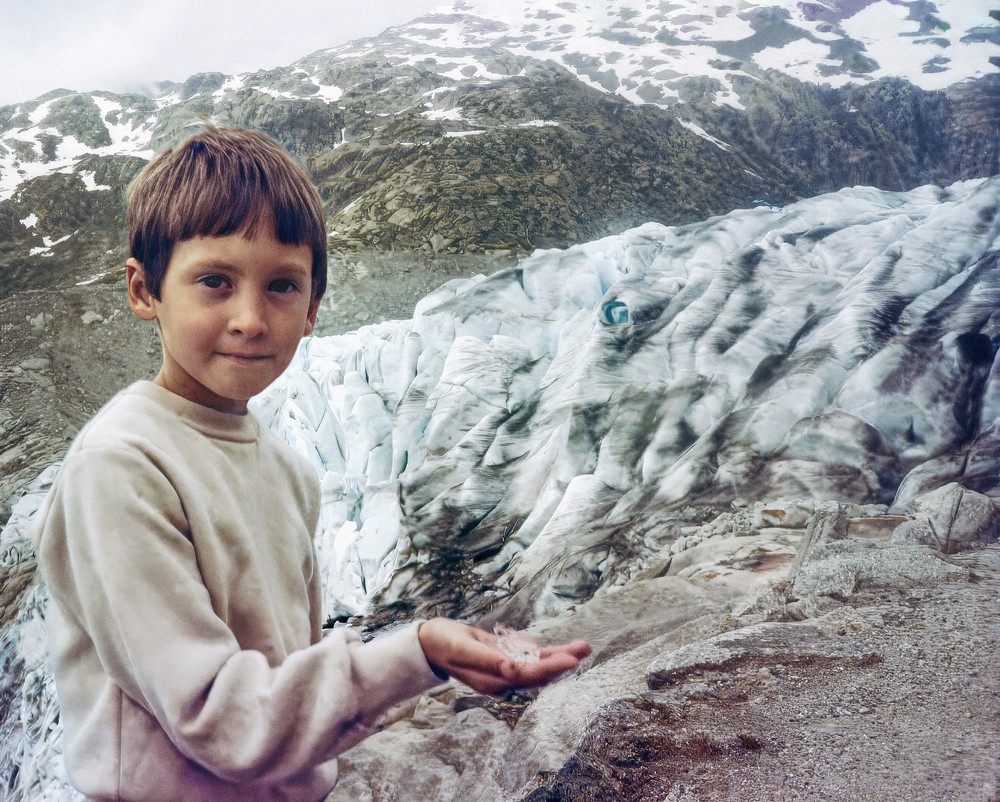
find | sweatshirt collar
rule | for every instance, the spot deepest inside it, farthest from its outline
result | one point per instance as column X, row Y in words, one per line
column 208, row 421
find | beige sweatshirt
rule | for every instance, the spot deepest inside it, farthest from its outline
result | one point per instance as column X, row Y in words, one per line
column 185, row 623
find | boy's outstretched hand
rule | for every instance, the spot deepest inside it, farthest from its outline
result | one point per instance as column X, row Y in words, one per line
column 473, row 656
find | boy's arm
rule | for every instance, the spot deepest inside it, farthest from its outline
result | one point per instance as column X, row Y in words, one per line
column 123, row 570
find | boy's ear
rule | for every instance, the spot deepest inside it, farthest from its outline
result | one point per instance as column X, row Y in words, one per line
column 140, row 298
column 311, row 316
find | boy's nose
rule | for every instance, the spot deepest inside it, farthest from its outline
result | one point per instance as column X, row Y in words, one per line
column 249, row 317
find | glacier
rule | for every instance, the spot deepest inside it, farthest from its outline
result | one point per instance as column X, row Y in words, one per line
column 543, row 438
column 839, row 348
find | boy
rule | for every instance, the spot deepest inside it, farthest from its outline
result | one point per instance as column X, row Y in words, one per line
column 176, row 542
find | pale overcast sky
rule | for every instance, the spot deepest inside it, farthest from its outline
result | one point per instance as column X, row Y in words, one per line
column 125, row 45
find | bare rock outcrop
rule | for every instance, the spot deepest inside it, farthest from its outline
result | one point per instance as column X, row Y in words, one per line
column 883, row 689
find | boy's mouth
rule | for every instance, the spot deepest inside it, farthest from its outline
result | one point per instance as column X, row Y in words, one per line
column 245, row 357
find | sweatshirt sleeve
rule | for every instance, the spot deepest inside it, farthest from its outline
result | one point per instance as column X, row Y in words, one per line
column 119, row 562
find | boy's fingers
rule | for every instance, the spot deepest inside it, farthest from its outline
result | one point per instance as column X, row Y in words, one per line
column 578, row 648
column 546, row 669
column 513, row 674
column 552, row 661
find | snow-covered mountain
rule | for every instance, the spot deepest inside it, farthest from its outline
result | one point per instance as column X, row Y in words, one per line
column 644, row 50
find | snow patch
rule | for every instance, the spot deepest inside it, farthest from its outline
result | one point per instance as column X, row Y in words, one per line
column 331, row 94
column 697, row 129
column 48, row 244
column 233, row 84
column 93, row 279
column 89, row 178
column 452, row 115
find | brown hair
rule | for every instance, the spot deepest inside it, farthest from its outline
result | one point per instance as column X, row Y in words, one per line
column 218, row 182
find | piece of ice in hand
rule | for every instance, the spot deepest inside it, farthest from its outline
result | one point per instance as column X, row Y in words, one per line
column 518, row 646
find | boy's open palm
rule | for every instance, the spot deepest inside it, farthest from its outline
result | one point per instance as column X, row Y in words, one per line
column 472, row 656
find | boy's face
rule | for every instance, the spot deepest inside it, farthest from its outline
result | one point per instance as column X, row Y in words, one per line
column 231, row 313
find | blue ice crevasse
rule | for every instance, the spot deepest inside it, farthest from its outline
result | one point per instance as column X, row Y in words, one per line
column 615, row 313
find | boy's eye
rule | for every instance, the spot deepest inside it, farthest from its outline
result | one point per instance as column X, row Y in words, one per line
column 213, row 282
column 283, row 285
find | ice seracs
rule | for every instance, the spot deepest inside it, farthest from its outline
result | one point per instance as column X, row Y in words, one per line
column 823, row 350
